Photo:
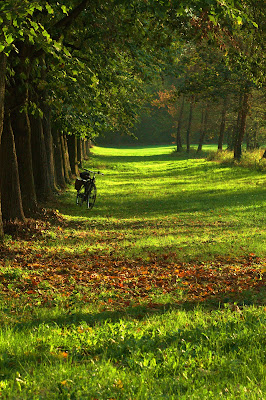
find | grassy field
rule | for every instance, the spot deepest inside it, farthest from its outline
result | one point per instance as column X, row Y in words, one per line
column 155, row 293
column 151, row 202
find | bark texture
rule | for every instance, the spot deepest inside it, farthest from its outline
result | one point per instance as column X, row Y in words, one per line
column 49, row 145
column 10, row 186
column 59, row 166
column 39, row 159
column 222, row 125
column 204, row 128
column 22, row 134
column 241, row 126
column 190, row 117
column 179, row 126
column 72, row 150
column 65, row 156
column 2, row 102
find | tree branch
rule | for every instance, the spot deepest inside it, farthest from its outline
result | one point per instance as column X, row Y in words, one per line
column 68, row 19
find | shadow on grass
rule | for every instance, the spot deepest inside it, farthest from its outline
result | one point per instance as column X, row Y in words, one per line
column 71, row 316
column 128, row 349
column 168, row 153
column 167, row 202
column 232, row 335
column 168, row 192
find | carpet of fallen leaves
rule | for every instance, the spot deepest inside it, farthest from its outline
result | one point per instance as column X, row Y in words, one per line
column 126, row 282
column 40, row 277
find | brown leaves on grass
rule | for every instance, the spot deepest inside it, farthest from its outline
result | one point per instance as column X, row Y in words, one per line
column 33, row 227
column 125, row 281
column 25, row 230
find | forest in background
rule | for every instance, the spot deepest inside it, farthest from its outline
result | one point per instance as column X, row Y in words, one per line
column 72, row 73
column 158, row 126
column 202, row 79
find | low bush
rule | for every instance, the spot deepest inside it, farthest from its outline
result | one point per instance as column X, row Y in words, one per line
column 250, row 159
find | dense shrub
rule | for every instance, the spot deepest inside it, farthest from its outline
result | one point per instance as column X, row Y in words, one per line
column 250, row 159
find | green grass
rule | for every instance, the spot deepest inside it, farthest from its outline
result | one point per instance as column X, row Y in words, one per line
column 149, row 200
column 174, row 354
column 157, row 212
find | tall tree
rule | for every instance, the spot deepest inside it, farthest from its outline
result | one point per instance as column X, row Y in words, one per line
column 9, row 177
column 222, row 124
column 189, row 125
column 2, row 100
column 205, row 115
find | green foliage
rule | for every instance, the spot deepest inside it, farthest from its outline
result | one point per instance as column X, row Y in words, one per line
column 250, row 159
column 21, row 22
column 98, row 56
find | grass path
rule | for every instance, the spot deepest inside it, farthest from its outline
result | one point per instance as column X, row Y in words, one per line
column 152, row 202
column 156, row 293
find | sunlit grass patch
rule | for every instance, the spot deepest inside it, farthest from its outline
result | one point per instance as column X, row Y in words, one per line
column 161, row 202
column 171, row 354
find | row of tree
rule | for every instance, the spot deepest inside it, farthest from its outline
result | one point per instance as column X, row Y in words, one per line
column 66, row 73
column 218, row 100
column 205, row 120
column 70, row 72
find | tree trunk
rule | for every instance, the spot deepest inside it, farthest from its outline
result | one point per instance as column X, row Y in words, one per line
column 67, row 157
column 66, row 163
column 204, row 129
column 10, row 186
column 49, row 146
column 222, row 126
column 255, row 135
column 21, row 128
column 79, row 152
column 189, row 126
column 46, row 124
column 179, row 126
column 17, row 100
column 201, row 123
column 72, row 150
column 59, row 166
column 39, row 159
column 232, row 137
column 84, row 150
column 252, row 137
column 87, row 147
column 240, row 133
column 83, row 154
column 2, row 102
column 249, row 140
